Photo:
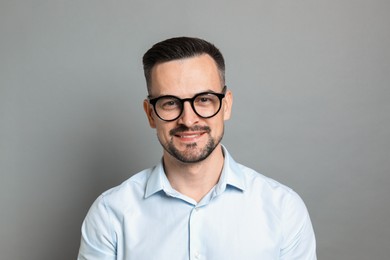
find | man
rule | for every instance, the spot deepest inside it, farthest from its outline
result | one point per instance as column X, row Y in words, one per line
column 197, row 203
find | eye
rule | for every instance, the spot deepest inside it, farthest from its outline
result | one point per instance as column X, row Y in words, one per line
column 168, row 103
column 205, row 100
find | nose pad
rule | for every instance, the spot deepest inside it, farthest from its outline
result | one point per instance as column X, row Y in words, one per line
column 188, row 116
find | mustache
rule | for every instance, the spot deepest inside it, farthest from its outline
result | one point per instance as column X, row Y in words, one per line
column 183, row 128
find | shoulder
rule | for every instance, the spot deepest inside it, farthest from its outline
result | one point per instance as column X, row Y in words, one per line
column 251, row 180
column 256, row 180
column 280, row 201
column 271, row 191
column 127, row 193
column 111, row 204
column 138, row 180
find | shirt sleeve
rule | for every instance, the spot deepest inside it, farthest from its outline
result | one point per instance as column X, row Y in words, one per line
column 97, row 237
column 298, row 234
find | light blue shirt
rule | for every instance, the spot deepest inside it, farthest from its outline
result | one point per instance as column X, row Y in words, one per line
column 245, row 216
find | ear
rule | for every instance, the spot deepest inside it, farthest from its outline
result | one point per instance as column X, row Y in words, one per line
column 227, row 105
column 149, row 113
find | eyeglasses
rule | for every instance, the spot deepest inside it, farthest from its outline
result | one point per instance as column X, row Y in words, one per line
column 205, row 105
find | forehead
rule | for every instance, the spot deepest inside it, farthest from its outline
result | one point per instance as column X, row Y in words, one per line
column 185, row 76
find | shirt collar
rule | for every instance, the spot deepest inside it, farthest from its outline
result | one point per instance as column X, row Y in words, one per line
column 155, row 181
column 230, row 177
column 231, row 174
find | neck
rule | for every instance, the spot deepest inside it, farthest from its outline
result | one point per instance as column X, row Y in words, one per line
column 194, row 180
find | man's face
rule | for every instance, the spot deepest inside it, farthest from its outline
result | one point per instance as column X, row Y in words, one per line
column 189, row 138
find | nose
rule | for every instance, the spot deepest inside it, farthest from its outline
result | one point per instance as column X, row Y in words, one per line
column 188, row 117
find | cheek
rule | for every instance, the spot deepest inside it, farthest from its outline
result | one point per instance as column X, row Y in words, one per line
column 217, row 126
column 163, row 130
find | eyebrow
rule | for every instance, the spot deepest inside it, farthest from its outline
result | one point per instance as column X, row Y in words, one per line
column 170, row 95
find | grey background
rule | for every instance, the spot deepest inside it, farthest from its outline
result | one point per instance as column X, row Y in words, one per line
column 311, row 109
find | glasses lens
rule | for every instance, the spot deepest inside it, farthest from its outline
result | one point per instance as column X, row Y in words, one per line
column 207, row 105
column 168, row 108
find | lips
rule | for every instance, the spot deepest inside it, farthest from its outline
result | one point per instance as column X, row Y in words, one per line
column 186, row 131
column 189, row 136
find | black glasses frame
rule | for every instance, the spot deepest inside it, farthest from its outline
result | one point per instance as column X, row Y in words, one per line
column 220, row 96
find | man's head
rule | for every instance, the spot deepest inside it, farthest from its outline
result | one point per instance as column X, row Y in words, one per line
column 180, row 48
column 187, row 101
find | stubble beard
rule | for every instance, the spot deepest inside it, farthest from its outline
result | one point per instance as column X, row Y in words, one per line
column 192, row 154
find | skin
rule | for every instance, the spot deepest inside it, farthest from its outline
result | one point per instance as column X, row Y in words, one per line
column 190, row 135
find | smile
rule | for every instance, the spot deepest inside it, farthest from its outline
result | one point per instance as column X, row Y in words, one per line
column 189, row 137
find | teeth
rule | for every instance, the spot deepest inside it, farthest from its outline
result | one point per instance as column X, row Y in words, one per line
column 189, row 136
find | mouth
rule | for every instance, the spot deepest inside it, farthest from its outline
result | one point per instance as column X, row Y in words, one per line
column 189, row 136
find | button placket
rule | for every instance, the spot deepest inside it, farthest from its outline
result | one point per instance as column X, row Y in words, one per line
column 194, row 234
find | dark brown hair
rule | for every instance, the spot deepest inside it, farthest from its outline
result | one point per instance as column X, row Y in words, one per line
column 180, row 48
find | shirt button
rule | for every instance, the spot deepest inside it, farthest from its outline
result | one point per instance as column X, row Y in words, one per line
column 197, row 255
